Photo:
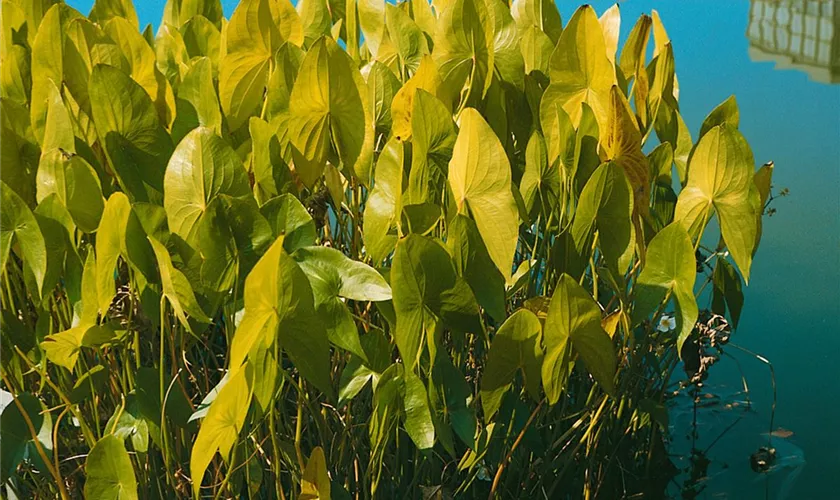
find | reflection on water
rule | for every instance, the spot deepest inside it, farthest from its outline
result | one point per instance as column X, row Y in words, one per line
column 711, row 441
column 797, row 34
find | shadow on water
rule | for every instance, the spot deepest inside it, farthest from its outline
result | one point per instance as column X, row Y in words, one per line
column 803, row 35
column 721, row 443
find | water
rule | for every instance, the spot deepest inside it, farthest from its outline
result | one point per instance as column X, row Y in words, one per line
column 792, row 308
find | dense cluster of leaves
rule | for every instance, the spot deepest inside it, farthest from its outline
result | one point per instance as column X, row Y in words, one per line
column 351, row 246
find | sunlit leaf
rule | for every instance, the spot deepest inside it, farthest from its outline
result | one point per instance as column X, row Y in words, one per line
column 126, row 120
column 540, row 14
column 464, row 48
column 610, row 22
column 280, row 307
column 329, row 104
column 76, row 185
column 479, row 175
column 315, row 483
column 384, row 205
column 720, row 181
column 220, row 428
column 202, row 167
column 580, row 71
column 251, row 40
column 670, row 272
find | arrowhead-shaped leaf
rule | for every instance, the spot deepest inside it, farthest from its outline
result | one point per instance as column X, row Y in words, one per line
column 479, row 175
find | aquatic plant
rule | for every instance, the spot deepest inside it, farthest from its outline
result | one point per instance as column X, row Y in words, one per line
column 353, row 249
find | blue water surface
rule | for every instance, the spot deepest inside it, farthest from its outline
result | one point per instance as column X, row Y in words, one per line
column 792, row 309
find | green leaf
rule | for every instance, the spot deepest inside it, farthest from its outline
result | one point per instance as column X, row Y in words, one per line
column 271, row 174
column 450, row 396
column 671, row 128
column 508, row 62
column 104, row 10
column 763, row 180
column 202, row 167
column 19, row 152
column 407, row 37
column 433, row 137
column 196, row 104
column 315, row 17
column 329, row 104
column 473, row 263
column 536, row 48
column 384, row 205
column 606, row 205
column 220, row 428
column 418, row 416
column 515, row 347
column 18, row 224
column 633, row 53
column 202, row 38
column 427, row 291
column 126, row 120
column 402, row 107
column 540, row 14
column 131, row 425
column 280, row 307
column 177, row 288
column 670, row 271
column 727, row 292
column 48, row 62
column 610, row 22
column 289, row 218
column 580, row 71
column 251, row 39
column 382, row 87
column 18, row 442
column 479, row 175
column 725, row 112
column 110, row 474
column 464, row 48
column 315, row 482
column 76, row 185
column 574, row 325
column 334, row 276
column 58, row 130
column 142, row 63
column 372, row 23
column 120, row 233
column 720, row 180
column 286, row 66
column 180, row 12
column 541, row 180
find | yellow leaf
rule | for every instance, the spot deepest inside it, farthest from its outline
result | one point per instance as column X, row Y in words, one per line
column 479, row 174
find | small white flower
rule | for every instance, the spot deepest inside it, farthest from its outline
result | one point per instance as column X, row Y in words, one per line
column 667, row 323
